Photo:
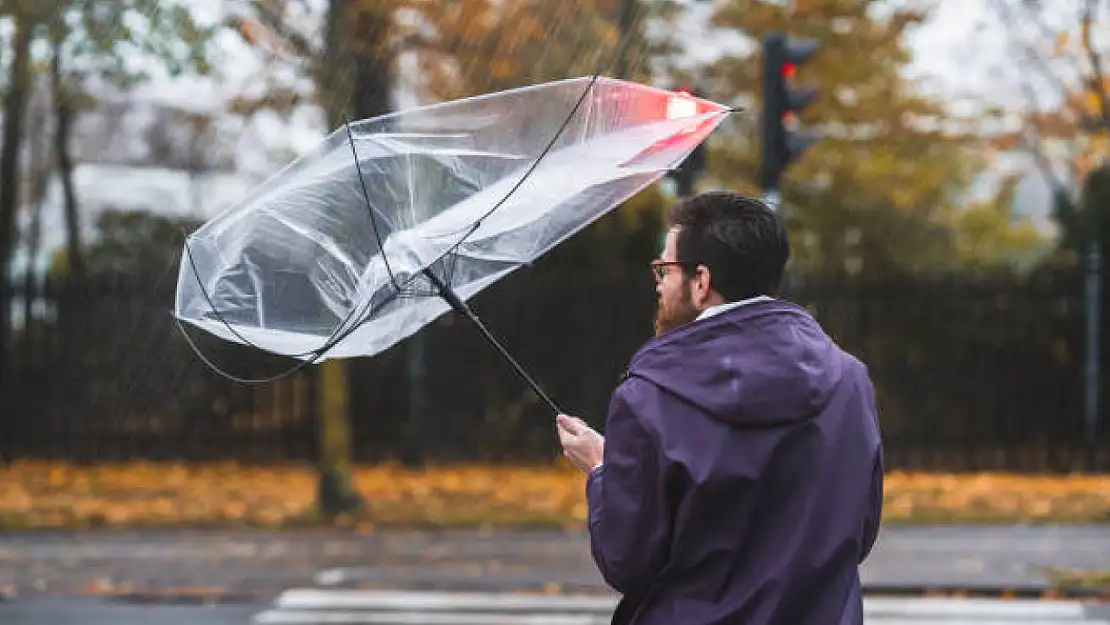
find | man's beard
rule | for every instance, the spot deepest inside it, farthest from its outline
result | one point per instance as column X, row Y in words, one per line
column 669, row 316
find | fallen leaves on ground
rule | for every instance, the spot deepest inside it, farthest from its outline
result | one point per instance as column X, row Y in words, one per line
column 1098, row 580
column 42, row 494
column 994, row 497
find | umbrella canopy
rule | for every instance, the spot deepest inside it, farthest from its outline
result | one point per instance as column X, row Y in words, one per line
column 357, row 245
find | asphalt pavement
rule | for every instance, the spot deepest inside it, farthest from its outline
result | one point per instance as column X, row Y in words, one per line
column 88, row 611
column 247, row 577
column 242, row 565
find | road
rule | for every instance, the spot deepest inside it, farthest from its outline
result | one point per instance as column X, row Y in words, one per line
column 105, row 578
column 984, row 555
column 262, row 564
column 94, row 612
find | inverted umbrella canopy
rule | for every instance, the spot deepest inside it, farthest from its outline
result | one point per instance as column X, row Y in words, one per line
column 394, row 220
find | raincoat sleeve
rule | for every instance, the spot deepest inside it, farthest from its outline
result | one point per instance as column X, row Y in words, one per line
column 628, row 521
column 875, row 513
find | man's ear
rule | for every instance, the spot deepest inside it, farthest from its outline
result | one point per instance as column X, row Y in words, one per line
column 703, row 282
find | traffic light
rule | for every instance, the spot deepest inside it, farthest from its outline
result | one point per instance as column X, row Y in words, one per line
column 693, row 167
column 782, row 143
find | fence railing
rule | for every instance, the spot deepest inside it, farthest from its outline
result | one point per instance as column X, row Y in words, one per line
column 972, row 374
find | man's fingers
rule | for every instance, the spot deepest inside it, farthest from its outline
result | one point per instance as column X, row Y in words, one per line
column 570, row 424
column 566, row 437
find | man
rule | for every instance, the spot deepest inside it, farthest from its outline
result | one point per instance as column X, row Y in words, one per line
column 740, row 476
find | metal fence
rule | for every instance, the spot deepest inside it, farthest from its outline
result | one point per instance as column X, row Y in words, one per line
column 972, row 374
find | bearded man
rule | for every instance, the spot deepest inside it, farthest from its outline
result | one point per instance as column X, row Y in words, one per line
column 740, row 478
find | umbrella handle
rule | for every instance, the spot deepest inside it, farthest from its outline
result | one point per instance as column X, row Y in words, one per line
column 452, row 298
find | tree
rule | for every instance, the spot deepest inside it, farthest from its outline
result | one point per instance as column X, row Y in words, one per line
column 101, row 37
column 461, row 48
column 877, row 193
column 15, row 102
column 134, row 244
column 1065, row 110
column 479, row 46
column 987, row 235
column 39, row 168
column 186, row 141
column 91, row 42
column 353, row 77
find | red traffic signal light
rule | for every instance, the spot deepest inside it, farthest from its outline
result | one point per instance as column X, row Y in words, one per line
column 782, row 102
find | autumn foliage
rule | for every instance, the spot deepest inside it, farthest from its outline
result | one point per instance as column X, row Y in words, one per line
column 36, row 494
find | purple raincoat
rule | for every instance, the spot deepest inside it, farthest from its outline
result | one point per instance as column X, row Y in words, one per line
column 742, row 477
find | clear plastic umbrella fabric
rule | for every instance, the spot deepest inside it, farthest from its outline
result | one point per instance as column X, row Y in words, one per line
column 345, row 252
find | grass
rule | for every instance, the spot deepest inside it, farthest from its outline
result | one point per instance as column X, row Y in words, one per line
column 56, row 495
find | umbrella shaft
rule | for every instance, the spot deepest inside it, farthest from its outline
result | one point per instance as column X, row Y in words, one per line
column 452, row 298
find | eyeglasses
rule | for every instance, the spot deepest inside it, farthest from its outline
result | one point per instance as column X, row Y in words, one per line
column 659, row 267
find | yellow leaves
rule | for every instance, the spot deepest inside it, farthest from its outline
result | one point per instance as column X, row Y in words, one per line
column 502, row 69
column 995, row 497
column 48, row 494
column 1061, row 44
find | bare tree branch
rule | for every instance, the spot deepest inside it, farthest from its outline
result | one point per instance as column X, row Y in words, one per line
column 272, row 21
column 1099, row 84
column 1075, row 113
column 1033, row 146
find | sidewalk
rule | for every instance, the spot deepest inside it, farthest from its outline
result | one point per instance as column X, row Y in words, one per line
column 260, row 565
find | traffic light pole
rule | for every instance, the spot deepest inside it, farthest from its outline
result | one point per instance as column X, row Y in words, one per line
column 686, row 174
column 772, row 198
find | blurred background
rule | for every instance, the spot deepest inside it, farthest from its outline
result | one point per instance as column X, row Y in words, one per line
column 948, row 219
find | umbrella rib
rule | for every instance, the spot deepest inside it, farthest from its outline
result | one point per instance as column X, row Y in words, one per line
column 369, row 206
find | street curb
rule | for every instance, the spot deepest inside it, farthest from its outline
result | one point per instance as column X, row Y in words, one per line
column 182, row 598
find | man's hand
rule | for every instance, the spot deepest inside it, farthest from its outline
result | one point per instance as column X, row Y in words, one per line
column 581, row 444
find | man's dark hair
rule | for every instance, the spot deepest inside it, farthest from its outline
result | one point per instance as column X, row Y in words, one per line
column 740, row 239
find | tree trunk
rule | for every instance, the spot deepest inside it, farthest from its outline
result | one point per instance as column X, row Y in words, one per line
column 373, row 63
column 14, row 106
column 359, row 74
column 41, row 168
column 63, row 111
column 335, row 493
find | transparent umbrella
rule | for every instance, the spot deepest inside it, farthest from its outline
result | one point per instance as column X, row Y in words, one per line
column 393, row 221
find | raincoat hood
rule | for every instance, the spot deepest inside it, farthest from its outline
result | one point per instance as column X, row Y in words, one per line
column 764, row 363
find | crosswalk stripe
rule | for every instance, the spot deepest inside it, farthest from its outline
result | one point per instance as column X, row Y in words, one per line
column 292, row 617
column 328, row 606
column 309, row 598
